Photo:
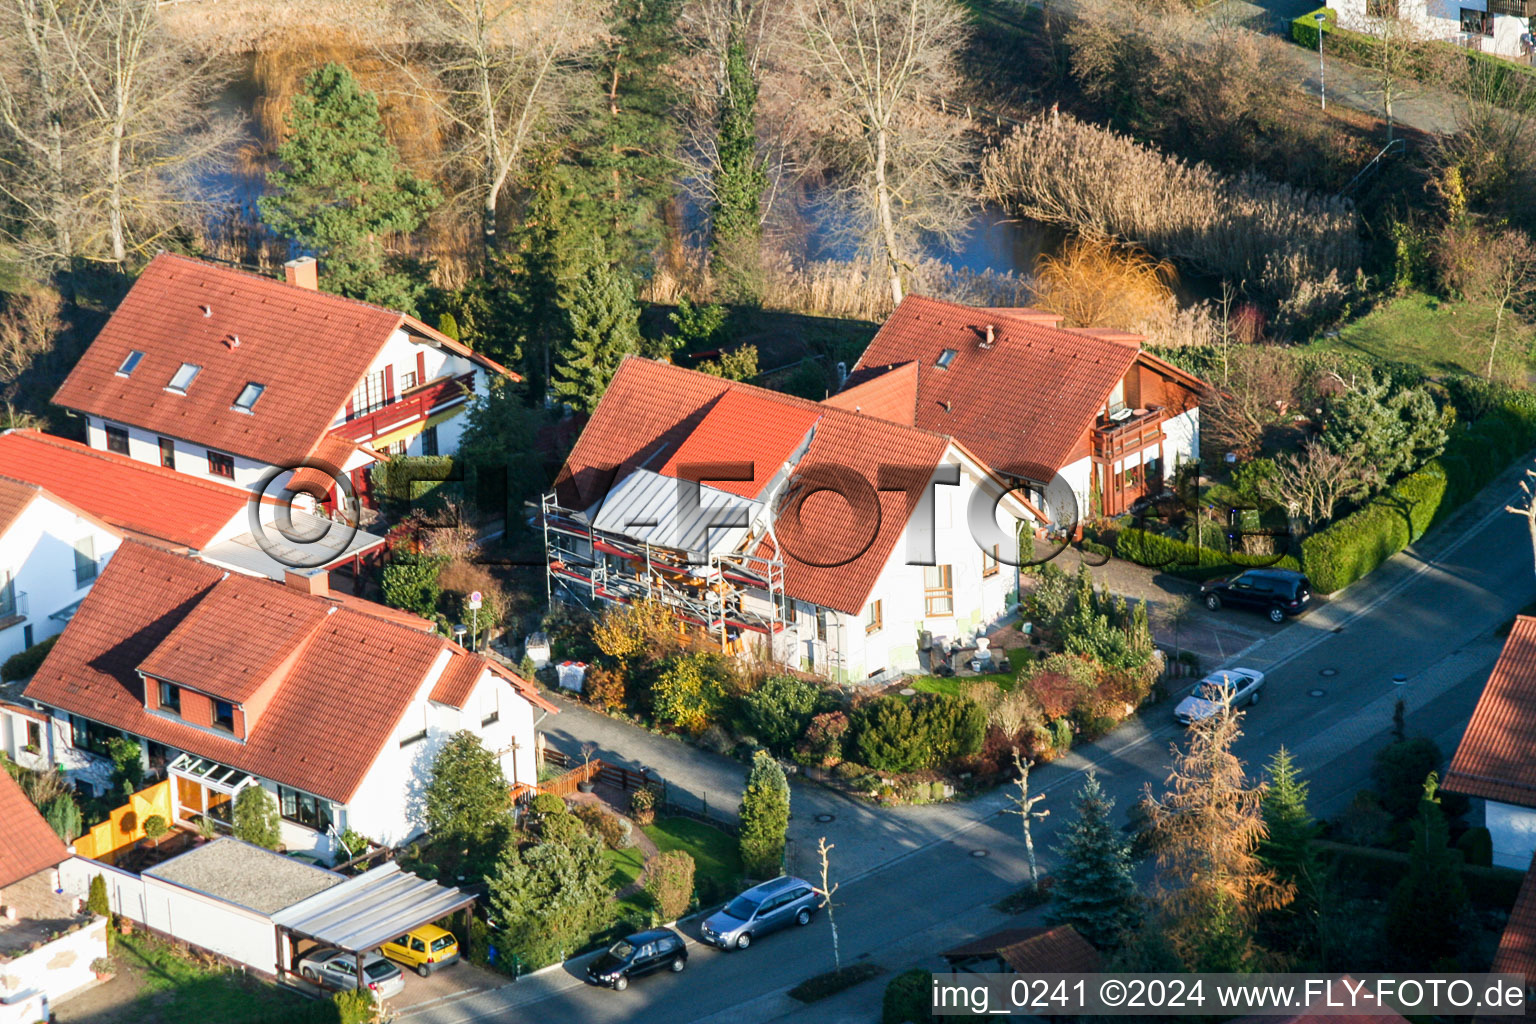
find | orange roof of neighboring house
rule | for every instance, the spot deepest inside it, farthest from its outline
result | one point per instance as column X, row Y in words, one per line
column 1023, row 403
column 133, row 496
column 889, row 393
column 328, row 463
column 341, row 687
column 1059, row 950
column 30, row 843
column 651, row 408
column 308, row 348
column 1495, row 758
column 1517, row 946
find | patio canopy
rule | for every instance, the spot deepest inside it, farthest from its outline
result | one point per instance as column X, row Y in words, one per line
column 212, row 774
column 364, row 912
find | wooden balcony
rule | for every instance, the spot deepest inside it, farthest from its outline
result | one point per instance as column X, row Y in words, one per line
column 416, row 404
column 1515, row 8
column 1113, row 440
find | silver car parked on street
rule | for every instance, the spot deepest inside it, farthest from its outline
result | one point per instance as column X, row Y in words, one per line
column 762, row 909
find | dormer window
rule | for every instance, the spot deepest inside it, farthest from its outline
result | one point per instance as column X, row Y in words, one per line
column 129, row 363
column 184, row 378
column 945, row 358
column 248, row 396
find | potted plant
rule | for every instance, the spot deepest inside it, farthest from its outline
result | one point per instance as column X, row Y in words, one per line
column 124, row 926
column 102, row 968
column 155, row 828
column 586, row 784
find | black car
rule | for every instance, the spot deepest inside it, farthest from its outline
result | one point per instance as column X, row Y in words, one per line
column 640, row 953
column 1277, row 592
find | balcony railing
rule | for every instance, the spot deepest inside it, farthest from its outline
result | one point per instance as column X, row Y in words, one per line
column 1113, row 439
column 1516, row 8
column 407, row 408
column 13, row 603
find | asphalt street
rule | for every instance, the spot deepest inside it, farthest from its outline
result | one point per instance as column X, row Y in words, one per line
column 1432, row 616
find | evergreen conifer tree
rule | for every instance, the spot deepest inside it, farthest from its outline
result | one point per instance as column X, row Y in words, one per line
column 605, row 327
column 1425, row 914
column 1287, row 849
column 1093, row 889
column 736, row 230
column 341, row 189
column 764, row 817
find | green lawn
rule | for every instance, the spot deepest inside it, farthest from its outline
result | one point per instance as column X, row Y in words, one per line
column 716, row 858
column 624, row 866
column 956, row 685
column 1442, row 337
column 173, row 989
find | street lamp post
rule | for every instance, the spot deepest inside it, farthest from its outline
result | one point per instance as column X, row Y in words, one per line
column 1322, row 69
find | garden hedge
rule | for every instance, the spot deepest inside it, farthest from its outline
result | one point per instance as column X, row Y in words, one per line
column 1155, row 550
column 1352, row 547
column 1383, row 869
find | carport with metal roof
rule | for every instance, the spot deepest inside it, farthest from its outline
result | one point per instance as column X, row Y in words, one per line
column 364, row 912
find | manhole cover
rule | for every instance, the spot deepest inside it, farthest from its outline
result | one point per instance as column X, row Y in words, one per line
column 978, row 853
column 824, row 818
column 906, row 691
column 1329, row 673
column 1399, row 680
column 1317, row 693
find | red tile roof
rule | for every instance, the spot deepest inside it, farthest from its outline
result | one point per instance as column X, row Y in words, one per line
column 133, row 496
column 744, row 426
column 335, row 708
column 309, row 348
column 330, row 460
column 458, row 681
column 30, row 844
column 1495, row 759
column 889, row 393
column 1024, row 403
column 652, row 407
column 1059, row 950
column 15, row 496
column 1517, row 946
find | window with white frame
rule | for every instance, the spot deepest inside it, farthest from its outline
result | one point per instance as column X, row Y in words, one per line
column 369, row 395
column 938, row 590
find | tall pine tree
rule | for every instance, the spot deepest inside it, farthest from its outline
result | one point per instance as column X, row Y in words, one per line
column 736, row 227
column 1425, row 914
column 342, row 189
column 1093, row 889
column 1288, row 850
column 604, row 328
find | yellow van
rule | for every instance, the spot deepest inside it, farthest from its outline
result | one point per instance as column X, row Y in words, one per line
column 427, row 949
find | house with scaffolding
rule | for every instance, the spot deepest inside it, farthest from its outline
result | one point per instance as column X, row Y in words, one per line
column 812, row 533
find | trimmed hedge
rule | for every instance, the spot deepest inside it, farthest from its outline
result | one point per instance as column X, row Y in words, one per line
column 1185, row 559
column 411, row 478
column 1354, row 546
column 1383, row 869
column 24, row 664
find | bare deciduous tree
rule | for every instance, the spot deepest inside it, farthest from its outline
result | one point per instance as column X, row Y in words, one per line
column 1313, row 482
column 1395, row 43
column 828, row 890
column 1261, row 390
column 1024, row 807
column 499, row 71
column 882, row 64
column 1509, row 282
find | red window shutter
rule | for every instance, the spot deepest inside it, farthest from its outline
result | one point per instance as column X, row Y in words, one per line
column 421, row 368
column 389, row 384
column 351, row 409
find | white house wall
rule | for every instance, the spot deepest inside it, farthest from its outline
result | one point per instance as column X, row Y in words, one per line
column 1182, row 438
column 191, row 458
column 1513, row 830
column 39, row 553
column 1438, row 20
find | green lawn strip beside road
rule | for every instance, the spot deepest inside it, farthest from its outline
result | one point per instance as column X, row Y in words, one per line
column 716, row 857
column 176, row 990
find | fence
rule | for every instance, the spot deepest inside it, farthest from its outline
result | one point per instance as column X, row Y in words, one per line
column 125, row 825
column 669, row 802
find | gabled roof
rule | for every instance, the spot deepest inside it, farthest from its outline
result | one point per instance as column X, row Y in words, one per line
column 133, row 496
column 15, row 496
column 887, row 392
column 1021, row 404
column 343, row 687
column 308, row 349
column 744, row 425
column 1058, row 950
column 1495, row 759
column 652, row 408
column 30, row 844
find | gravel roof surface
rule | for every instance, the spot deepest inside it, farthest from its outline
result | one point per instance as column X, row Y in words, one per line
column 246, row 875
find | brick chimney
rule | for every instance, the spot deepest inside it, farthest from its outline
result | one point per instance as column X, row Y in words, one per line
column 309, row 581
column 304, row 272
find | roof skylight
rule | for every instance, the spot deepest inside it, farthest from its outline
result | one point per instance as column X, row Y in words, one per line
column 129, row 363
column 248, row 396
column 945, row 358
column 183, row 378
